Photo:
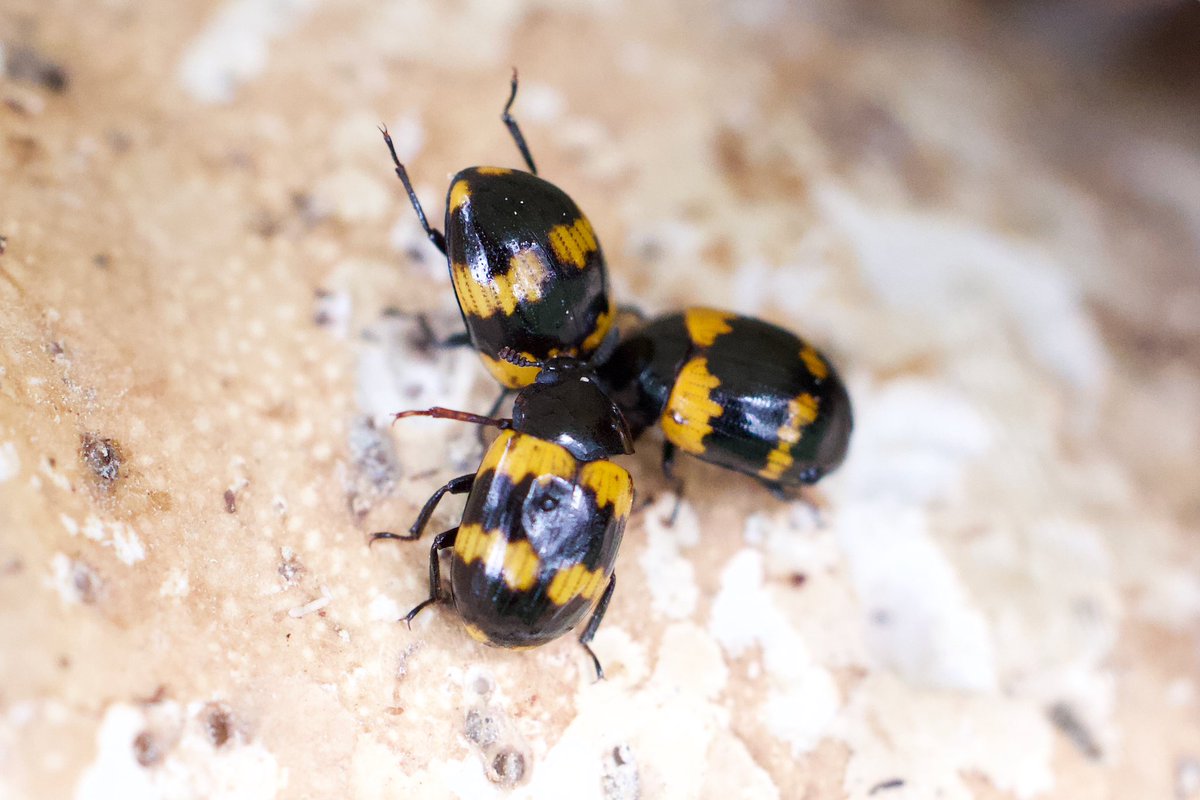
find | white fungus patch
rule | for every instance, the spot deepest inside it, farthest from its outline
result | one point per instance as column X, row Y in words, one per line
column 1056, row 612
column 1172, row 598
column 927, row 264
column 126, row 544
column 920, row 621
column 10, row 462
column 931, row 740
column 803, row 699
column 120, row 537
column 190, row 766
column 541, row 102
column 670, row 577
column 383, row 608
column 57, row 478
column 393, row 374
column 667, row 726
column 233, row 48
column 913, row 440
column 175, row 584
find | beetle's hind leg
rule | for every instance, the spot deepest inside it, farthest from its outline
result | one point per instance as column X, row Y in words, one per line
column 810, row 499
column 429, row 340
column 460, row 485
column 669, row 453
column 440, row 542
column 435, row 236
column 514, row 130
column 589, row 632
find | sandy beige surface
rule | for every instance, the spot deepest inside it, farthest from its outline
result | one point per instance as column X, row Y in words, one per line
column 987, row 217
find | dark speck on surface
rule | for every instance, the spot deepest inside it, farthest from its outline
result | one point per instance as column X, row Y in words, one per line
column 103, row 457
column 86, row 582
column 290, row 569
column 894, row 783
column 26, row 64
column 619, row 780
column 509, row 767
column 217, row 723
column 481, row 728
column 147, row 749
column 1065, row 719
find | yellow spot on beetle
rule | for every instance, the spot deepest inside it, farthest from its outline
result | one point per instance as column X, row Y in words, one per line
column 704, row 325
column 603, row 325
column 523, row 282
column 611, row 484
column 573, row 243
column 520, row 565
column 816, row 365
column 493, row 170
column 802, row 411
column 477, row 633
column 472, row 543
column 460, row 192
column 516, row 562
column 503, row 292
column 685, row 420
column 517, row 455
column 575, row 581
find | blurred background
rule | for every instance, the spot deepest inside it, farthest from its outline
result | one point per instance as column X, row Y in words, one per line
column 986, row 214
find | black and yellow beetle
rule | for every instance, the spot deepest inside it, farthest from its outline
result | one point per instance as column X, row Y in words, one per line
column 537, row 543
column 734, row 391
column 525, row 263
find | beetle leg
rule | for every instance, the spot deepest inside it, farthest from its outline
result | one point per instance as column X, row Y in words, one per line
column 778, row 492
column 460, row 339
column 388, row 535
column 514, row 130
column 459, row 485
column 604, row 351
column 633, row 311
column 429, row 339
column 435, row 236
column 440, row 542
column 589, row 632
column 668, row 467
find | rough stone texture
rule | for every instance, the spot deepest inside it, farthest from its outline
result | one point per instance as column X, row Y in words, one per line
column 987, row 214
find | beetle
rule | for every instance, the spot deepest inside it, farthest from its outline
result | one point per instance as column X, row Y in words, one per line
column 537, row 543
column 525, row 263
column 734, row 391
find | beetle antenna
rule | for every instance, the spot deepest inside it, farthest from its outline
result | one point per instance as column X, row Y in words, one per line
column 513, row 357
column 462, row 416
column 514, row 129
